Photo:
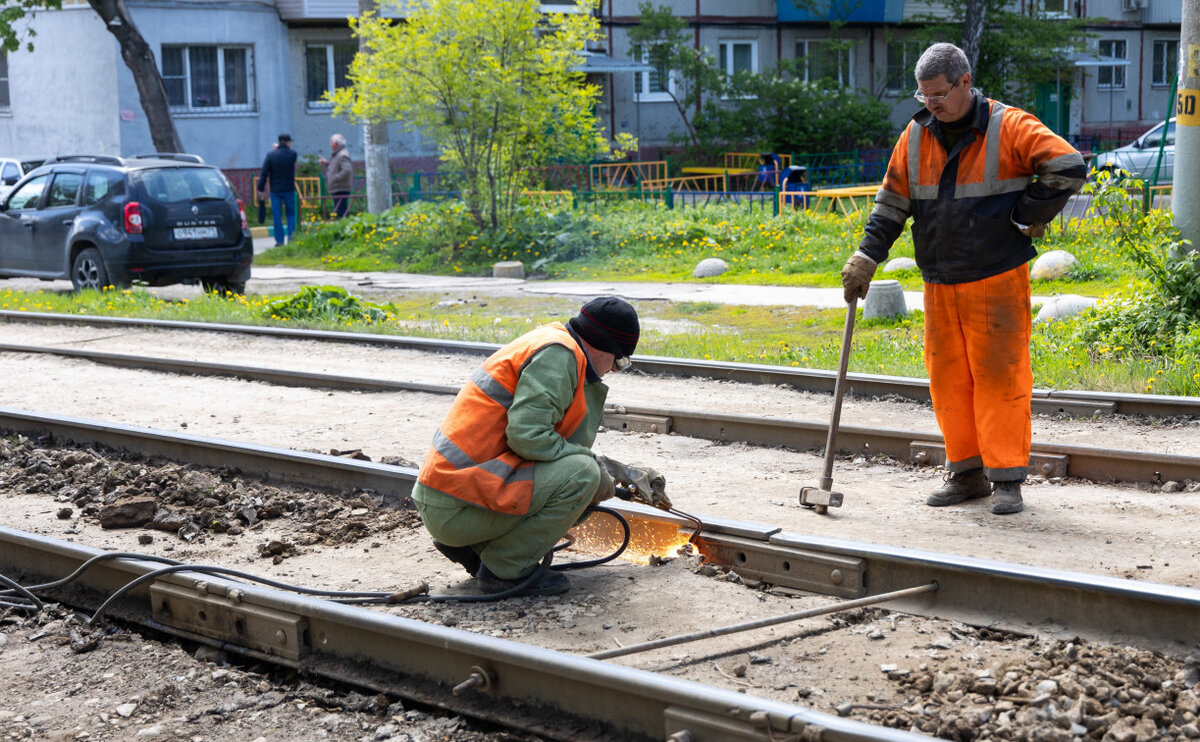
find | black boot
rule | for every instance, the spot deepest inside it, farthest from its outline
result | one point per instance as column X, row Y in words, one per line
column 463, row 555
column 1006, row 498
column 549, row 583
column 960, row 486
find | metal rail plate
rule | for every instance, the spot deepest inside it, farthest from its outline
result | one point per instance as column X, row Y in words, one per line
column 218, row 617
column 823, row 573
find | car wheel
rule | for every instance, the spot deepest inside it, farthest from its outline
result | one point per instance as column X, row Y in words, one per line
column 222, row 286
column 88, row 270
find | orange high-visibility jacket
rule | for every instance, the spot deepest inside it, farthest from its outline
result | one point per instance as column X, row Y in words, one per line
column 470, row 458
column 963, row 201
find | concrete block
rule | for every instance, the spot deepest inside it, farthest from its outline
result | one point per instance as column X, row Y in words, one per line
column 900, row 264
column 710, row 267
column 885, row 299
column 1053, row 264
column 1061, row 307
column 508, row 269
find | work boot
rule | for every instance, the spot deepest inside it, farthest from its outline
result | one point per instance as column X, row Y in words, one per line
column 960, row 486
column 550, row 583
column 1006, row 498
column 463, row 555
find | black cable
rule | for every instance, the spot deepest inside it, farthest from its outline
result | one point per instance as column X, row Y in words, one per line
column 27, row 599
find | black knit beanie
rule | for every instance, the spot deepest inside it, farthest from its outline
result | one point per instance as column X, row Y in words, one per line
column 608, row 324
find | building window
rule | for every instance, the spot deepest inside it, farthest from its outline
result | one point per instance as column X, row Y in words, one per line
column 208, row 79
column 902, row 59
column 1111, row 78
column 1056, row 8
column 326, row 68
column 1166, row 62
column 5, row 102
column 825, row 60
column 738, row 56
column 653, row 85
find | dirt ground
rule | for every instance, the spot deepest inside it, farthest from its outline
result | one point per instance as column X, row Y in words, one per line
column 1132, row 531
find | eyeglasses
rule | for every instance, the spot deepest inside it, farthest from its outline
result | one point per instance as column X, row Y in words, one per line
column 934, row 100
column 621, row 363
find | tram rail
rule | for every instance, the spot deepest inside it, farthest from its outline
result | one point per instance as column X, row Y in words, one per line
column 979, row 592
column 1078, row 403
column 918, row 448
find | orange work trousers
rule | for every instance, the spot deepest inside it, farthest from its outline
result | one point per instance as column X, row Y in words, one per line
column 980, row 380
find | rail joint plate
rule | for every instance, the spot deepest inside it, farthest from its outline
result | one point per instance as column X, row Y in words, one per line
column 219, row 617
column 813, row 571
column 630, row 422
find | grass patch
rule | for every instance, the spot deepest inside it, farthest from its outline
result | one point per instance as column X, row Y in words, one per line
column 637, row 241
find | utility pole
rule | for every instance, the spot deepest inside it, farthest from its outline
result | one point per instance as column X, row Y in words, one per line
column 375, row 142
column 1185, row 197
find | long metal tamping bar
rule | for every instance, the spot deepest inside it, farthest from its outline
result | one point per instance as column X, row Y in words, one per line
column 671, row 641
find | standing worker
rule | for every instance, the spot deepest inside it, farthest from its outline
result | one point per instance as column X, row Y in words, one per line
column 511, row 467
column 980, row 180
column 339, row 175
column 278, row 177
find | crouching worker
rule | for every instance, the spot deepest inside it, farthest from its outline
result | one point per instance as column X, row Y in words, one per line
column 511, row 468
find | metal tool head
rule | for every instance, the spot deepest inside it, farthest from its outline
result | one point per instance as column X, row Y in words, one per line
column 820, row 499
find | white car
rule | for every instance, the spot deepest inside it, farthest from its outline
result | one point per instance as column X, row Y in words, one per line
column 1139, row 156
column 13, row 170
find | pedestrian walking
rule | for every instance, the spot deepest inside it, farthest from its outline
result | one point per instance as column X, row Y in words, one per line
column 278, row 178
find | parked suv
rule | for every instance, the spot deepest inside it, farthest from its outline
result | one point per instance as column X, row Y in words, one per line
column 99, row 220
column 1139, row 156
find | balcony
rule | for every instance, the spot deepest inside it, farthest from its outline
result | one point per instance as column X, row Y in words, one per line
column 854, row 11
column 329, row 10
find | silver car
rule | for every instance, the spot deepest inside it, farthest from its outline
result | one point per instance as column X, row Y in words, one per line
column 1139, row 156
column 13, row 170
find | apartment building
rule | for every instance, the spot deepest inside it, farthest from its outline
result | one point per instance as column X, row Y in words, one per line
column 239, row 72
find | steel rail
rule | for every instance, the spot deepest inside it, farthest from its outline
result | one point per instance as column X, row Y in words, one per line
column 551, row 693
column 976, row 591
column 1047, row 459
column 1072, row 402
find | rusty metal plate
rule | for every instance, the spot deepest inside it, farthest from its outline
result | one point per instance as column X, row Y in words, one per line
column 630, row 422
column 929, row 453
column 801, row 569
column 218, row 617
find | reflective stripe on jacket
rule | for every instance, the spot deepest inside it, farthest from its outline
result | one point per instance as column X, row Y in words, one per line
column 470, row 458
column 963, row 201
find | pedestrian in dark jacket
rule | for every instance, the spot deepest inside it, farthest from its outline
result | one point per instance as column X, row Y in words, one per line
column 278, row 178
column 980, row 180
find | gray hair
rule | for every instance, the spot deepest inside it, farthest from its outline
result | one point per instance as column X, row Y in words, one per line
column 341, row 140
column 942, row 59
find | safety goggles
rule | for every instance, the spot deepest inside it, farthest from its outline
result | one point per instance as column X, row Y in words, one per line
column 934, row 100
column 621, row 363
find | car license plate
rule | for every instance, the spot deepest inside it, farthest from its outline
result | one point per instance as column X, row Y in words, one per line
column 195, row 233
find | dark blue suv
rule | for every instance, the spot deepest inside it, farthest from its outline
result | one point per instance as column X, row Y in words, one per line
column 110, row 221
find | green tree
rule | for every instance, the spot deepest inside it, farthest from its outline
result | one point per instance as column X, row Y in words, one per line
column 492, row 82
column 138, row 57
column 777, row 111
column 1017, row 51
column 661, row 39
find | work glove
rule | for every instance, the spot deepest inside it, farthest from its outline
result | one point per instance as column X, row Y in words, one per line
column 645, row 484
column 1033, row 231
column 606, row 487
column 856, row 276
